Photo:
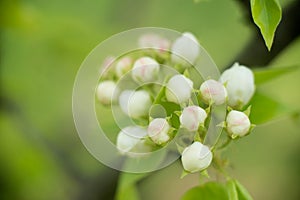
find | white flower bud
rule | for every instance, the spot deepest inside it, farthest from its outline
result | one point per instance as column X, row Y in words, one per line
column 154, row 41
column 107, row 92
column 135, row 103
column 213, row 92
column 186, row 48
column 179, row 89
column 107, row 65
column 191, row 117
column 145, row 69
column 158, row 130
column 239, row 82
column 237, row 123
column 123, row 66
column 132, row 139
column 196, row 157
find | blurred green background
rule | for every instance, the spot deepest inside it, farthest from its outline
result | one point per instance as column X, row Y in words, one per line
column 42, row 44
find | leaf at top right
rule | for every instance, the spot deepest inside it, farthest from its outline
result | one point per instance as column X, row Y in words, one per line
column 266, row 15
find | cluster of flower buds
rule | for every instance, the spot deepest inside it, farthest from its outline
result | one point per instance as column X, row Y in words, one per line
column 235, row 88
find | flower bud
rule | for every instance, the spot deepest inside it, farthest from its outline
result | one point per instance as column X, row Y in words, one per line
column 213, row 92
column 191, row 117
column 132, row 139
column 196, row 157
column 239, row 82
column 145, row 69
column 123, row 66
column 107, row 92
column 154, row 41
column 179, row 89
column 237, row 123
column 107, row 65
column 185, row 48
column 135, row 103
column 158, row 130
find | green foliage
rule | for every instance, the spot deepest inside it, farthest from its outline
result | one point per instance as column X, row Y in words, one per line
column 127, row 186
column 263, row 75
column 233, row 190
column 243, row 194
column 265, row 108
column 207, row 191
column 236, row 191
column 266, row 15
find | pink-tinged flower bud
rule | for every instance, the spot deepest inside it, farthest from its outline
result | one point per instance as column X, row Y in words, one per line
column 179, row 89
column 192, row 117
column 132, row 139
column 239, row 82
column 107, row 65
column 135, row 103
column 196, row 157
column 123, row 66
column 158, row 130
column 107, row 92
column 213, row 92
column 186, row 48
column 237, row 124
column 154, row 41
column 145, row 69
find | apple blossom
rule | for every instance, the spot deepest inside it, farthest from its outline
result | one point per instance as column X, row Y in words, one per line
column 239, row 82
column 158, row 130
column 237, row 124
column 191, row 117
column 196, row 157
column 123, row 66
column 213, row 92
column 154, row 41
column 135, row 103
column 132, row 139
column 107, row 92
column 186, row 48
column 179, row 89
column 145, row 69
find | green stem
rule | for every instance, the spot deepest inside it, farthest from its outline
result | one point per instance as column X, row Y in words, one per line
column 225, row 144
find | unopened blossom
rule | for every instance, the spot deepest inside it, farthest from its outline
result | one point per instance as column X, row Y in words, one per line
column 158, row 130
column 107, row 92
column 145, row 69
column 132, row 139
column 185, row 48
column 239, row 82
column 192, row 117
column 196, row 157
column 135, row 103
column 107, row 65
column 213, row 92
column 154, row 41
column 123, row 66
column 237, row 124
column 179, row 89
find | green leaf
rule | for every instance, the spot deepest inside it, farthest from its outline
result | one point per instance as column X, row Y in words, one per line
column 263, row 75
column 242, row 193
column 265, row 108
column 127, row 186
column 160, row 95
column 236, row 191
column 232, row 191
column 207, row 191
column 266, row 15
column 126, row 189
column 174, row 120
